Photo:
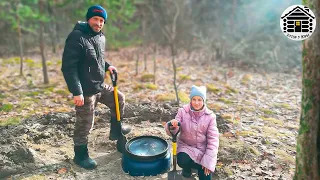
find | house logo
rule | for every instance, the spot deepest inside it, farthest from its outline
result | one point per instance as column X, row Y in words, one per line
column 298, row 22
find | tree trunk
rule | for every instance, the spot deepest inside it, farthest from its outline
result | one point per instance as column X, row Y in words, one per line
column 173, row 54
column 308, row 140
column 145, row 59
column 137, row 62
column 41, row 43
column 20, row 43
column 154, row 63
column 53, row 29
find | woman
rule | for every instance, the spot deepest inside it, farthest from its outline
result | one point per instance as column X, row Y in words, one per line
column 198, row 140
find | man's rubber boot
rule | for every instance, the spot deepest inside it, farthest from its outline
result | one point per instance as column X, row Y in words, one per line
column 81, row 157
column 116, row 128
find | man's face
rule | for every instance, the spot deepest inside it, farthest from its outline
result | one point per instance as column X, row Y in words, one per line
column 96, row 23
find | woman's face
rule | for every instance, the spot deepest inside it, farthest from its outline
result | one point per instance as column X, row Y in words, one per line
column 197, row 103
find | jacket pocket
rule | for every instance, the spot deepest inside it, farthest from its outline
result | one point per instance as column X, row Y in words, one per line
column 96, row 74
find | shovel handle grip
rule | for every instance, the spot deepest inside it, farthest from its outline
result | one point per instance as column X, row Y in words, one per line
column 114, row 77
column 174, row 135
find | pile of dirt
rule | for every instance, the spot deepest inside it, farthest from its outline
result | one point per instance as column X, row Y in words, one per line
column 23, row 145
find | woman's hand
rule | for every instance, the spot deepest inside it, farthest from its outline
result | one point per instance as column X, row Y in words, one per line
column 206, row 171
column 174, row 123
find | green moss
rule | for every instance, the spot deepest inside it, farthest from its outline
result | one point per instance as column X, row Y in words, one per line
column 151, row 86
column 33, row 93
column 2, row 96
column 59, row 62
column 184, row 77
column 6, row 107
column 63, row 92
column 179, row 68
column 50, row 89
column 29, row 62
column 303, row 127
column 49, row 63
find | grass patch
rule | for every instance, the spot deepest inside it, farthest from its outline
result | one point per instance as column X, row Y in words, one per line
column 283, row 105
column 212, row 88
column 246, row 109
column 151, row 86
column 6, row 107
column 270, row 131
column 229, row 89
column 266, row 111
column 10, row 121
column 179, row 68
column 184, row 77
column 59, row 62
column 226, row 101
column 184, row 97
column 231, row 149
column 33, row 93
column 216, row 106
column 165, row 97
column 227, row 116
column 147, row 77
column 49, row 89
column 137, row 87
column 11, row 61
column 63, row 92
column 292, row 126
column 2, row 96
column 228, row 171
column 283, row 155
column 35, row 177
column 29, row 62
column 273, row 120
column 245, row 133
column 246, row 79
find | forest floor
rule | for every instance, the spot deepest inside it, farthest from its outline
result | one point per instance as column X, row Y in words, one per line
column 258, row 118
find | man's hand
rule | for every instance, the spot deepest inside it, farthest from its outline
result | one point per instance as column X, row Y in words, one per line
column 78, row 100
column 111, row 68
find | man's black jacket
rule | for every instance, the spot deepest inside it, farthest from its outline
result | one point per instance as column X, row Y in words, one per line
column 83, row 64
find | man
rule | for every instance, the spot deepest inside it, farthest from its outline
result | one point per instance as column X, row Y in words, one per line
column 84, row 70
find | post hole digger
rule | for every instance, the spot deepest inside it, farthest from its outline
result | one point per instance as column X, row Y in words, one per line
column 120, row 131
column 174, row 175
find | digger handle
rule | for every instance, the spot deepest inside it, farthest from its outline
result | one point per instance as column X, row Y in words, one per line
column 114, row 78
column 174, row 135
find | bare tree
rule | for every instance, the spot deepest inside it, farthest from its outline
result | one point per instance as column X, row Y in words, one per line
column 169, row 31
column 308, row 140
column 154, row 63
column 41, row 43
column 20, row 39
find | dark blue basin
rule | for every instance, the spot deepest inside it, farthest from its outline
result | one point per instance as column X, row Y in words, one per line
column 146, row 156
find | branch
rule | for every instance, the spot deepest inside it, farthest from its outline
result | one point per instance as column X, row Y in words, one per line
column 174, row 23
column 164, row 31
